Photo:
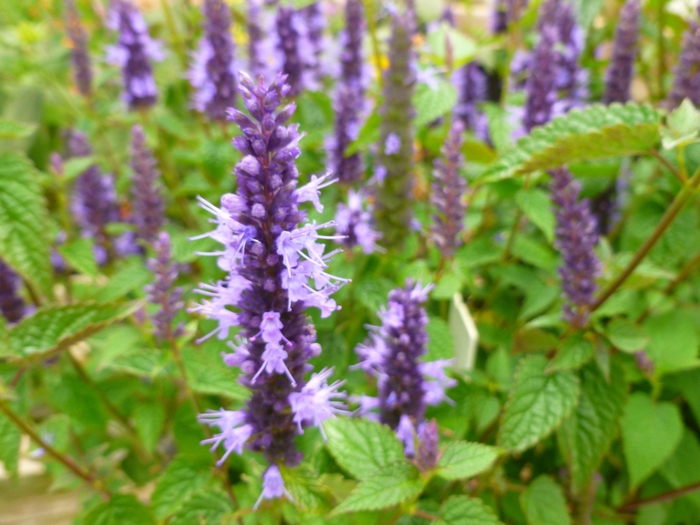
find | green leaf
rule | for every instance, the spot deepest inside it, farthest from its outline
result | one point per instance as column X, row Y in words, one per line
column 369, row 134
column 674, row 341
column 206, row 507
column 11, row 129
column 121, row 509
column 10, row 437
column 543, row 503
column 390, row 485
column 573, row 353
column 462, row 510
column 537, row 207
column 134, row 276
column 440, row 341
column 184, row 476
column 304, row 485
column 626, row 336
column 596, row 132
column 537, row 254
column 80, row 254
column 588, row 432
column 683, row 467
column 463, row 48
column 650, row 433
column 461, row 460
column 208, row 374
column 24, row 242
column 149, row 419
column 537, row 404
column 362, row 446
column 432, row 104
column 53, row 329
column 682, row 126
column 76, row 166
column 447, row 286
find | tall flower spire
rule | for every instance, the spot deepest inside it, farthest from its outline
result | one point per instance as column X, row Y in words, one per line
column 394, row 175
column 133, row 53
column 276, row 271
column 80, row 59
column 213, row 73
column 350, row 96
column 540, row 89
column 686, row 80
column 11, row 304
column 289, row 34
column 576, row 238
column 472, row 88
column 162, row 292
column 619, row 75
column 148, row 208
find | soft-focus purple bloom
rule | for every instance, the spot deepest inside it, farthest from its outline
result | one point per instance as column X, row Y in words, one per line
column 619, row 75
column 234, row 431
column 312, row 15
column 392, row 144
column 686, row 77
column 427, row 453
column 437, row 382
column 355, row 223
column 162, row 292
column 213, row 72
column 448, row 192
column 148, row 208
column 406, row 432
column 12, row 306
column 576, row 238
column 273, row 486
column 541, row 89
column 296, row 48
column 472, row 89
column 264, row 56
column 80, row 59
column 133, row 54
column 276, row 270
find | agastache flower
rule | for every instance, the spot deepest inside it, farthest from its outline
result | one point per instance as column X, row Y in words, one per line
column 148, row 208
column 264, row 57
column 406, row 385
column 576, row 238
column 448, row 191
column 355, row 224
column 162, row 292
column 472, row 89
column 619, row 75
column 686, row 81
column 393, row 209
column 133, row 54
column 213, row 73
column 12, row 306
column 427, row 454
column 312, row 15
column 276, row 270
column 571, row 78
column 540, row 89
column 79, row 57
column 294, row 45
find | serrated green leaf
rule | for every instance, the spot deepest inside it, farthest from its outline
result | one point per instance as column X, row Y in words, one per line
column 135, row 275
column 390, row 485
column 206, row 507
column 588, row 432
column 537, row 207
column 674, row 341
column 24, row 242
column 537, row 404
column 440, row 341
column 460, row 460
column 184, row 476
column 55, row 328
column 305, row 487
column 149, row 419
column 535, row 253
column 121, row 509
column 626, row 336
column 208, row 374
column 650, row 433
column 432, row 104
column 573, row 353
column 596, row 132
column 361, row 446
column 80, row 254
column 543, row 503
column 10, row 437
column 12, row 129
column 683, row 124
column 462, row 510
column 683, row 467
column 448, row 285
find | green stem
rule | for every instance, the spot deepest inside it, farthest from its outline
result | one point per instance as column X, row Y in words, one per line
column 372, row 27
column 661, row 47
column 660, row 498
column 175, row 40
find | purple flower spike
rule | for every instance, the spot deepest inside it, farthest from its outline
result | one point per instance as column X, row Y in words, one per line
column 163, row 292
column 686, row 80
column 354, row 222
column 133, row 53
column 471, row 83
column 448, row 191
column 540, row 89
column 213, row 73
column 148, row 208
column 576, row 238
column 427, row 454
column 312, row 15
column 276, row 270
column 289, row 32
column 80, row 59
column 11, row 304
column 619, row 75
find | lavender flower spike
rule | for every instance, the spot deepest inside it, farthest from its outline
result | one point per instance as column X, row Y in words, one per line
column 619, row 75
column 540, row 89
column 213, row 73
column 273, row 259
column 82, row 73
column 289, row 41
column 686, row 80
column 576, row 238
column 148, row 208
column 162, row 292
column 355, row 223
column 133, row 53
column 393, row 211
column 11, row 304
column 447, row 196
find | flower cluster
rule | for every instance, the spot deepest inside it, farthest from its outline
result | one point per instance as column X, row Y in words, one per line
column 406, row 385
column 148, row 208
column 448, row 191
column 213, row 73
column 686, row 80
column 312, row 15
column 11, row 304
column 619, row 75
column 540, row 89
column 576, row 238
column 355, row 224
column 263, row 55
column 276, row 269
column 162, row 292
column 133, row 54
column 79, row 56
column 472, row 89
column 297, row 49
